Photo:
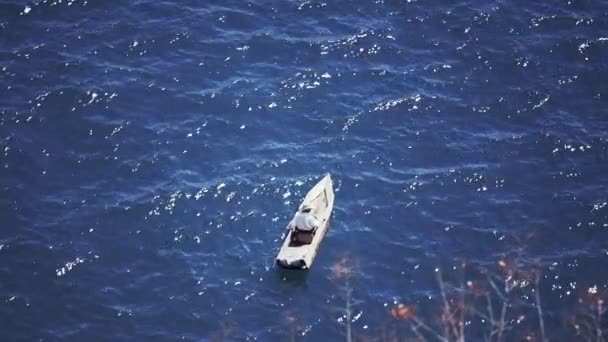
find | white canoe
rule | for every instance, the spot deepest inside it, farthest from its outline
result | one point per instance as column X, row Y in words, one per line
column 321, row 199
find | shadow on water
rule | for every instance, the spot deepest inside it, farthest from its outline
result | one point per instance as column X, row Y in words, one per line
column 293, row 277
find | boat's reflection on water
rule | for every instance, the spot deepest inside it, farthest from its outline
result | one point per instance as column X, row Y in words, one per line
column 292, row 277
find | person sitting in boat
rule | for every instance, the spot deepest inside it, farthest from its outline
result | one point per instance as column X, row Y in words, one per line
column 303, row 225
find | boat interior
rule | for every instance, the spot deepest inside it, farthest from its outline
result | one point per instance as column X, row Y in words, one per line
column 319, row 205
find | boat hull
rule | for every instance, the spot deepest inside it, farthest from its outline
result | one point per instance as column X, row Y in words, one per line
column 321, row 199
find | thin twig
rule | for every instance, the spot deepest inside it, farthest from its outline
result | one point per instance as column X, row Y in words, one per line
column 503, row 312
column 348, row 312
column 429, row 329
column 598, row 321
column 539, row 307
column 446, row 307
column 495, row 288
column 490, row 309
column 461, row 308
column 417, row 333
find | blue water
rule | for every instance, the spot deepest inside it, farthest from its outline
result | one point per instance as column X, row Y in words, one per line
column 151, row 153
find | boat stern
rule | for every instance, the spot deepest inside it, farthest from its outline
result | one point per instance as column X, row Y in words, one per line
column 293, row 264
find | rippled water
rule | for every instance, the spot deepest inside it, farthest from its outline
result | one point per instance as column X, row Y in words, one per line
column 151, row 153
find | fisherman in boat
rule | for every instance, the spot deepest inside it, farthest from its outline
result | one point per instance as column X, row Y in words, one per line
column 303, row 225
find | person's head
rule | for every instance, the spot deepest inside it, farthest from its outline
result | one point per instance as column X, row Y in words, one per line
column 306, row 209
